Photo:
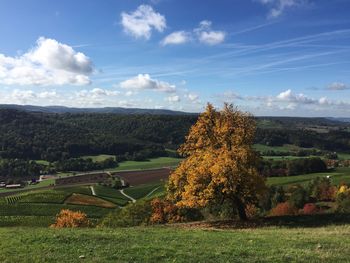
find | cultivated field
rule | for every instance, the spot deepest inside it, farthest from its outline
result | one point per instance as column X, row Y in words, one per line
column 144, row 177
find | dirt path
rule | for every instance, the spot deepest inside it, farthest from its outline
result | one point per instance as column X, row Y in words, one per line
column 150, row 193
column 127, row 196
column 92, row 190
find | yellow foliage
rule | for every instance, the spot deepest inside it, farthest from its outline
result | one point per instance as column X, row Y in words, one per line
column 220, row 162
column 68, row 218
column 343, row 189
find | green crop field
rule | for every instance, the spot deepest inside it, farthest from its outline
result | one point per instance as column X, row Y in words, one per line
column 141, row 191
column 170, row 244
column 111, row 194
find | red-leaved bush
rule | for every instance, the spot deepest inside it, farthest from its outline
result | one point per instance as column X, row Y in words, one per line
column 164, row 212
column 310, row 209
column 283, row 209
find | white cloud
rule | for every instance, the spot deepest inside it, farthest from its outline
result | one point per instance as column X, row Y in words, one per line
column 96, row 93
column 145, row 82
column 194, row 98
column 337, row 86
column 48, row 63
column 176, row 38
column 48, row 95
column 207, row 36
column 174, row 98
column 23, row 95
column 289, row 96
column 142, row 21
column 277, row 7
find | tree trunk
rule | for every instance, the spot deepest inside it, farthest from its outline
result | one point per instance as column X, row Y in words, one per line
column 240, row 209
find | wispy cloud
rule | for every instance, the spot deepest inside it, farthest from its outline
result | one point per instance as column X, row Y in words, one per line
column 336, row 86
column 278, row 7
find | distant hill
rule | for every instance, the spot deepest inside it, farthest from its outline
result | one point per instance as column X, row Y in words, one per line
column 116, row 110
column 341, row 119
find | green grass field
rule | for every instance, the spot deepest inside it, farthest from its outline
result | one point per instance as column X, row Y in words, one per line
column 151, row 164
column 99, row 158
column 170, row 244
column 31, row 187
column 344, row 156
column 338, row 176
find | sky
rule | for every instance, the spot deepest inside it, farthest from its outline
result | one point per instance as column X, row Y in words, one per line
column 268, row 57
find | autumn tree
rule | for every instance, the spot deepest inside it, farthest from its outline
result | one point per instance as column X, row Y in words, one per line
column 220, row 164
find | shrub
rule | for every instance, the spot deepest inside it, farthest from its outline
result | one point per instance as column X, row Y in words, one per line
column 68, row 218
column 310, row 209
column 164, row 211
column 343, row 199
column 283, row 209
column 134, row 214
column 298, row 196
column 322, row 190
column 252, row 211
column 278, row 197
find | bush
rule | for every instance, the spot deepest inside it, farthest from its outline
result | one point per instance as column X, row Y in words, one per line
column 283, row 209
column 310, row 209
column 68, row 218
column 134, row 214
column 252, row 211
column 322, row 190
column 343, row 199
column 164, row 211
column 298, row 196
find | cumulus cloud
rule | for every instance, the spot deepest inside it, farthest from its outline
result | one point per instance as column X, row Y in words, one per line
column 145, row 82
column 208, row 36
column 48, row 63
column 27, row 96
column 142, row 21
column 337, row 86
column 286, row 100
column 277, row 7
column 176, row 38
column 174, row 98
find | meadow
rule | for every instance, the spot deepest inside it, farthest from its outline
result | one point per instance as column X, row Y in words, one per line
column 340, row 175
column 176, row 244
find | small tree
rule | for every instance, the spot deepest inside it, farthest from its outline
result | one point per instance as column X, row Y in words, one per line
column 220, row 163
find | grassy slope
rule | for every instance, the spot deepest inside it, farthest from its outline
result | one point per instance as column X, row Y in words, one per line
column 337, row 177
column 167, row 244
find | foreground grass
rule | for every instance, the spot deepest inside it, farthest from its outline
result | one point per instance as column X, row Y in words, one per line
column 170, row 244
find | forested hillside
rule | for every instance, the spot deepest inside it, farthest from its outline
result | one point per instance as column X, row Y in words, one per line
column 53, row 137
column 62, row 139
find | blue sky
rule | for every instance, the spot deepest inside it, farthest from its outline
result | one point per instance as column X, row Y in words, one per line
column 270, row 57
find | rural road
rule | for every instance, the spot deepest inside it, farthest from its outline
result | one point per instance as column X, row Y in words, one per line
column 92, row 190
column 128, row 196
column 155, row 189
